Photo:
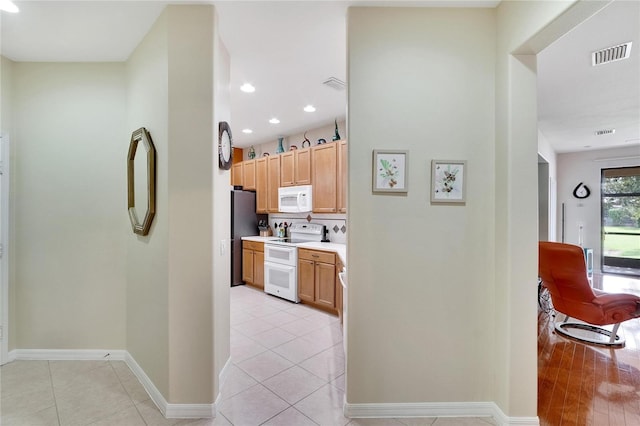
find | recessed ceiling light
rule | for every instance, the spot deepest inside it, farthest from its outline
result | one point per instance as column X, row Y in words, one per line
column 8, row 6
column 274, row 121
column 247, row 131
column 247, row 88
column 309, row 108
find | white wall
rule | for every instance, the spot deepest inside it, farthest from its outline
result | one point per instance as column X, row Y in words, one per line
column 221, row 216
column 416, row 82
column 586, row 167
column 546, row 151
column 523, row 28
column 170, row 271
column 6, row 127
column 147, row 257
column 69, row 202
column 420, row 275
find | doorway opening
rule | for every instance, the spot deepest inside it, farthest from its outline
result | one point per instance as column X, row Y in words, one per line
column 620, row 204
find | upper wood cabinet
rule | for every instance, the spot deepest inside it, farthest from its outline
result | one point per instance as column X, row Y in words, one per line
column 287, row 168
column 295, row 167
column 262, row 188
column 236, row 174
column 249, row 175
column 303, row 166
column 322, row 166
column 324, row 171
column 273, row 182
column 342, row 176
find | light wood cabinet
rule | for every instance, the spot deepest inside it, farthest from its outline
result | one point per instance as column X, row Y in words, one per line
column 287, row 168
column 323, row 166
column 253, row 263
column 295, row 167
column 236, row 174
column 262, row 186
column 273, row 182
column 302, row 171
column 249, row 175
column 306, row 280
column 324, row 170
column 342, row 176
column 317, row 278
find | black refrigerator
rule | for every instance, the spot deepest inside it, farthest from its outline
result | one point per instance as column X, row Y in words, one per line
column 244, row 223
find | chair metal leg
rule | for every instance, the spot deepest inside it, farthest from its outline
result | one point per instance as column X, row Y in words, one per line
column 566, row 328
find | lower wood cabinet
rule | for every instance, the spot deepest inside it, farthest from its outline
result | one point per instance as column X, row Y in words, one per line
column 317, row 279
column 253, row 263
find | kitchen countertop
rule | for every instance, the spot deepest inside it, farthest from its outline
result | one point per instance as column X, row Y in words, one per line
column 259, row 239
column 339, row 249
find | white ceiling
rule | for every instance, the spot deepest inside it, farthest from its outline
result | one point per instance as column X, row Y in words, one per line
column 286, row 49
column 575, row 98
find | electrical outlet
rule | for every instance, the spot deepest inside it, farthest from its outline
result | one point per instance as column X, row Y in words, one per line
column 223, row 247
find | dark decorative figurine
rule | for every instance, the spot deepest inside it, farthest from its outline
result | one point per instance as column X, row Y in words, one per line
column 336, row 137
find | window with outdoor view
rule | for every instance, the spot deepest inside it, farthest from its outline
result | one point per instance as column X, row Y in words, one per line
column 621, row 220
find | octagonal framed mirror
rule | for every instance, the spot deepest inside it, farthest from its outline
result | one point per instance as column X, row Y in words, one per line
column 141, row 181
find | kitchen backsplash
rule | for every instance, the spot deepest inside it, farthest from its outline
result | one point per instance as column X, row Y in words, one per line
column 335, row 223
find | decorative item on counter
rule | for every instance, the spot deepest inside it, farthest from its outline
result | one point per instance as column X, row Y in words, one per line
column 293, row 148
column 307, row 141
column 280, row 148
column 336, row 137
column 266, row 154
column 321, row 141
column 265, row 229
column 252, row 152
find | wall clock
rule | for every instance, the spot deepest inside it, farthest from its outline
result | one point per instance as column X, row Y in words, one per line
column 581, row 191
column 225, row 146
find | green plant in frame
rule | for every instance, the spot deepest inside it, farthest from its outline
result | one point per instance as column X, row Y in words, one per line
column 389, row 172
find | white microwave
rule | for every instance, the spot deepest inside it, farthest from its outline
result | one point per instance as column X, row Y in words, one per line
column 295, row 199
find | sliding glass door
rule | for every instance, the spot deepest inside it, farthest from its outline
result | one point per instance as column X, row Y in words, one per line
column 621, row 220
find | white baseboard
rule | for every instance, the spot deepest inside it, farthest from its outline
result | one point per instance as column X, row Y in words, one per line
column 222, row 378
column 68, row 354
column 436, row 409
column 170, row 411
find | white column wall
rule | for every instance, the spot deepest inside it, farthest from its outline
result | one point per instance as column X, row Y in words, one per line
column 420, row 275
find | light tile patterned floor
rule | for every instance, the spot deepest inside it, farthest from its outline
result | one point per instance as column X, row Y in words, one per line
column 287, row 369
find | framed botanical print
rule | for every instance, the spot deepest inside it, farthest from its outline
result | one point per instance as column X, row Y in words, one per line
column 448, row 181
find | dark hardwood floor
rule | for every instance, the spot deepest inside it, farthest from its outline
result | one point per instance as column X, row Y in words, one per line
column 581, row 384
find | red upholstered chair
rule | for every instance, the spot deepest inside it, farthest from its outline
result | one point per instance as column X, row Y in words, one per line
column 563, row 272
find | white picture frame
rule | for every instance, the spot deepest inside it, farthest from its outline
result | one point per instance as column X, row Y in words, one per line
column 390, row 170
column 448, row 181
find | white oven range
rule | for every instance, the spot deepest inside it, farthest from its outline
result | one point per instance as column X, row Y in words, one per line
column 281, row 260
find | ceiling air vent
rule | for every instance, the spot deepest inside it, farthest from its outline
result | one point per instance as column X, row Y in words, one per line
column 605, row 132
column 611, row 54
column 335, row 83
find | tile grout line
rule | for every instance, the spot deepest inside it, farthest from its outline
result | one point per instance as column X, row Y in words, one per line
column 53, row 391
column 127, row 392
